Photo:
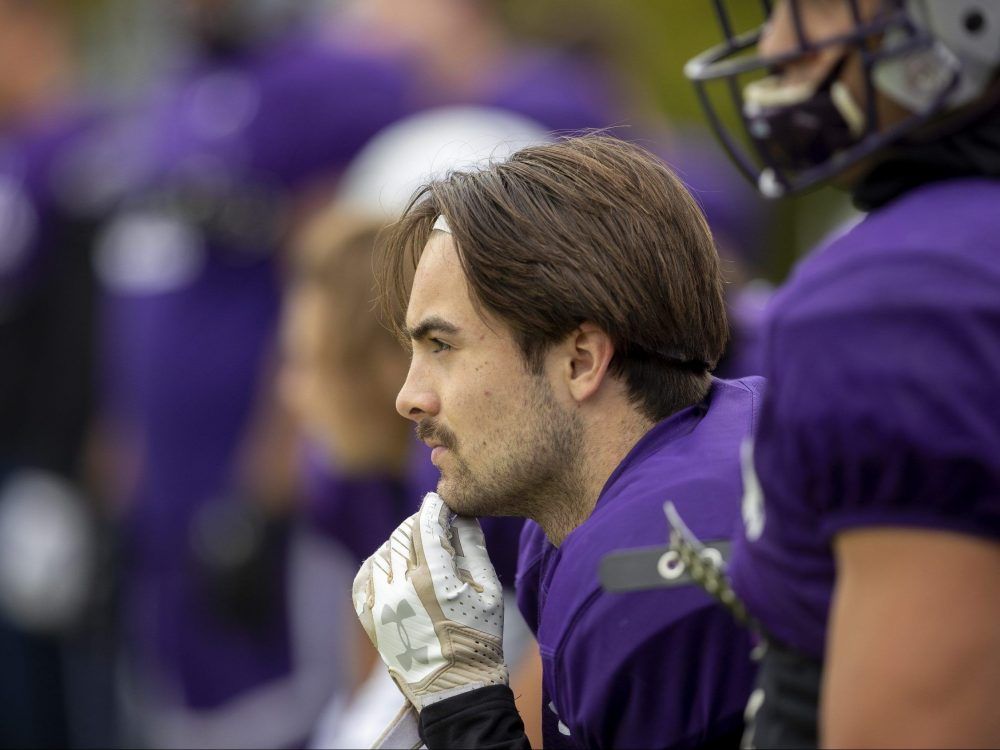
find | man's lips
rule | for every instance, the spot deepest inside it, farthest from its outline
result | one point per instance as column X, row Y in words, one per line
column 438, row 441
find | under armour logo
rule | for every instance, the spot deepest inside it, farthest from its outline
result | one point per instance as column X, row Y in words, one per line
column 402, row 612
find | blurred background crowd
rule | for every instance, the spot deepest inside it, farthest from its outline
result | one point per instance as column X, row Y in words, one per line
column 198, row 443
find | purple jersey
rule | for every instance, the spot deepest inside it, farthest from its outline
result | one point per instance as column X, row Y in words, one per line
column 662, row 668
column 882, row 407
column 192, row 295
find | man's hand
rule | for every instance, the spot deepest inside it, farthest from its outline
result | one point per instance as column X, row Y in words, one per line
column 431, row 603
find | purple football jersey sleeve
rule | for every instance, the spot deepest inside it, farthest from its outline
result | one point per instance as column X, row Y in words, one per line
column 882, row 406
column 660, row 668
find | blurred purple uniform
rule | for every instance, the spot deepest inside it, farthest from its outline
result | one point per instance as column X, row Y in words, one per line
column 882, row 405
column 562, row 92
column 46, row 342
column 192, row 296
column 46, row 292
column 360, row 511
column 37, row 171
column 663, row 668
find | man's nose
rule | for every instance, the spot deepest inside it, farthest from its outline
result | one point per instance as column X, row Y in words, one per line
column 417, row 399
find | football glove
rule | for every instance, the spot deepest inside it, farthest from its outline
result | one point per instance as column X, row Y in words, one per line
column 431, row 603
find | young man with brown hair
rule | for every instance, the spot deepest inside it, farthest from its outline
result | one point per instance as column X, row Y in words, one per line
column 564, row 309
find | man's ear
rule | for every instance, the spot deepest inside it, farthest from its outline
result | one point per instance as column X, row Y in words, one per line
column 590, row 350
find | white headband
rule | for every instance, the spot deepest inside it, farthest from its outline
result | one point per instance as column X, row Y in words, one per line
column 441, row 224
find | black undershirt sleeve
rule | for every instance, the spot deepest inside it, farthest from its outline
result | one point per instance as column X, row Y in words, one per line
column 481, row 718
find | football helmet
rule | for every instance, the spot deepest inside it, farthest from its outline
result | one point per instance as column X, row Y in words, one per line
column 930, row 57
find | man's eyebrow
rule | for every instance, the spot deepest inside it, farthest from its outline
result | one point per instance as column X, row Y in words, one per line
column 433, row 324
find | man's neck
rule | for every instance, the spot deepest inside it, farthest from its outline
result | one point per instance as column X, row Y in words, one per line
column 606, row 443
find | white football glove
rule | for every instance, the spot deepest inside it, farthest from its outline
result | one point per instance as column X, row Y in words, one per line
column 431, row 603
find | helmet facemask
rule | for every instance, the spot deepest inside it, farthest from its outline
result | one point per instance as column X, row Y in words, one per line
column 795, row 136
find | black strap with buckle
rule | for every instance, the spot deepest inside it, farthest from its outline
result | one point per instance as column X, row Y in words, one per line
column 685, row 561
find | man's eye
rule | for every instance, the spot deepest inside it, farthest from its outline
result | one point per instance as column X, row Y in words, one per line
column 439, row 346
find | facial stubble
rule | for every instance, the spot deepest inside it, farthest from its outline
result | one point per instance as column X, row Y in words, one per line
column 534, row 466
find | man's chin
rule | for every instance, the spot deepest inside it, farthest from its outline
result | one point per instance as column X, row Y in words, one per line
column 461, row 499
column 453, row 499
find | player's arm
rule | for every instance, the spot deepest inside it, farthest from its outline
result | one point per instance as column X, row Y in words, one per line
column 482, row 718
column 526, row 684
column 913, row 649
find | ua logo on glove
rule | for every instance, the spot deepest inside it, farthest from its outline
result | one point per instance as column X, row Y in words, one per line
column 409, row 654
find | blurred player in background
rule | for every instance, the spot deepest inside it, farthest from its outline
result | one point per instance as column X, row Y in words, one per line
column 48, row 549
column 462, row 52
column 565, row 314
column 229, row 619
column 339, row 363
column 871, row 549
